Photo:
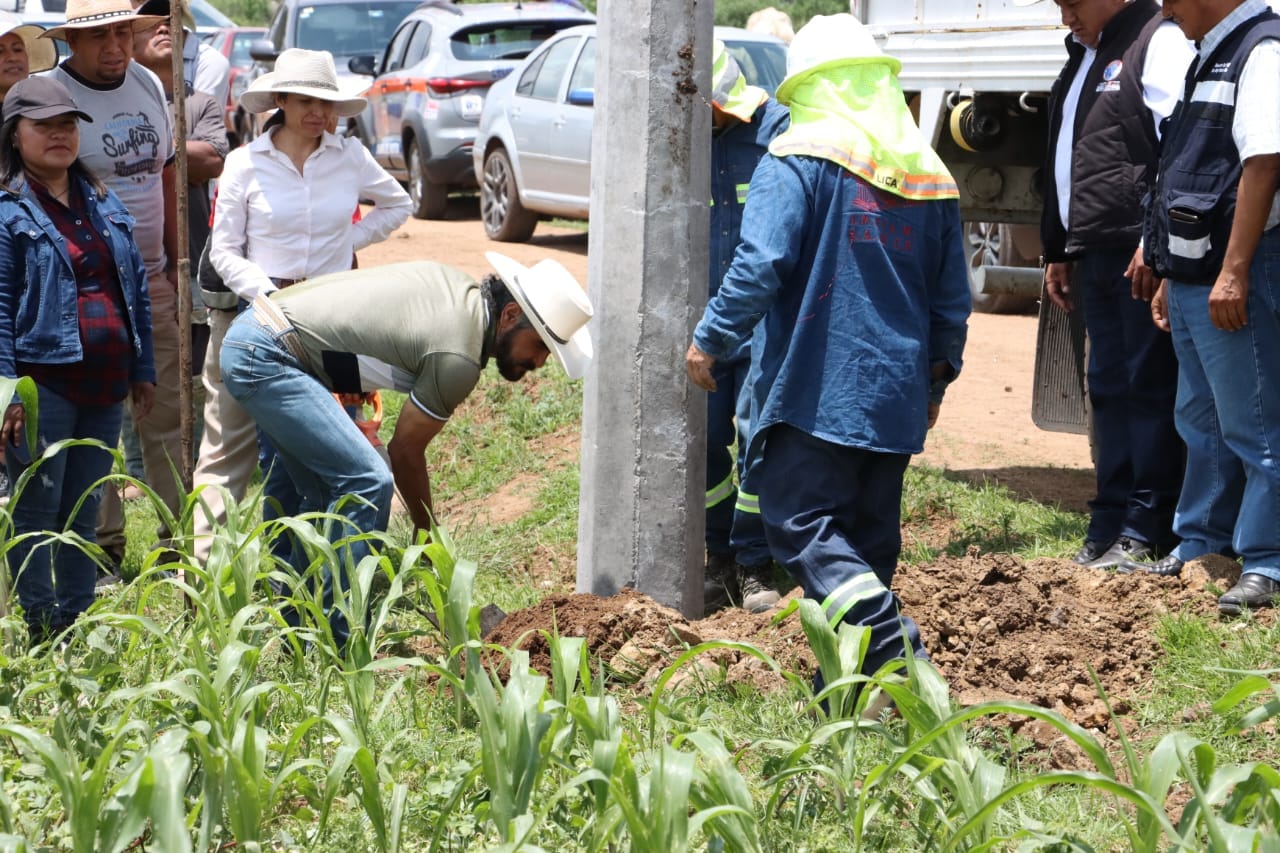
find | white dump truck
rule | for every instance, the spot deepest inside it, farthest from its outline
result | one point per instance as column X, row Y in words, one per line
column 978, row 74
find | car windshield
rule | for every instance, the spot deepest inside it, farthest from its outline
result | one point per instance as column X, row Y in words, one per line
column 351, row 29
column 504, row 39
column 240, row 48
column 763, row 63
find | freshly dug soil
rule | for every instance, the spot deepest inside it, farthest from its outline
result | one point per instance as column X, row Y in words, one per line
column 997, row 627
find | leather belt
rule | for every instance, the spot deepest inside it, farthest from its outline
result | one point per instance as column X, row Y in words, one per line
column 285, row 282
column 271, row 317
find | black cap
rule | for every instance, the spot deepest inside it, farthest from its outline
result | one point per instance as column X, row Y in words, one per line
column 40, row 98
column 153, row 7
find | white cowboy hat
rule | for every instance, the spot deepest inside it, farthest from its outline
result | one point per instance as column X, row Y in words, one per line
column 41, row 55
column 300, row 72
column 83, row 14
column 830, row 41
column 555, row 303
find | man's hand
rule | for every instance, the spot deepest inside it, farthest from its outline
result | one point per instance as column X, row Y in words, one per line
column 15, row 417
column 1228, row 302
column 699, row 364
column 141, row 396
column 1142, row 280
column 1057, row 284
column 1160, row 307
column 934, row 410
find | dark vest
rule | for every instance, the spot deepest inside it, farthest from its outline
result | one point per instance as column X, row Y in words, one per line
column 1113, row 159
column 1194, row 201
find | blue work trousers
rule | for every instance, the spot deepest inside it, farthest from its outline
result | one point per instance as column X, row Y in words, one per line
column 832, row 515
column 733, row 511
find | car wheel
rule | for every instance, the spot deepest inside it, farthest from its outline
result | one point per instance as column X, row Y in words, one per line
column 429, row 200
column 505, row 218
column 991, row 244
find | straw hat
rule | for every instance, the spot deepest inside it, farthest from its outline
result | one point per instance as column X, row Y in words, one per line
column 300, row 72
column 555, row 303
column 826, row 42
column 85, row 14
column 41, row 55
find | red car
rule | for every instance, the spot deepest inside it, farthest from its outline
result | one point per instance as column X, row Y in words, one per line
column 233, row 43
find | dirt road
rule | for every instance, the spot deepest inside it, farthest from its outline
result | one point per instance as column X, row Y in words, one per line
column 985, row 431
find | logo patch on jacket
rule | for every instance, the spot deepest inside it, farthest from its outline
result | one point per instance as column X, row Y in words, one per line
column 1111, row 76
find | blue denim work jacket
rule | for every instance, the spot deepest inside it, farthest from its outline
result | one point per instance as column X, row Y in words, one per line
column 735, row 153
column 39, row 311
column 858, row 293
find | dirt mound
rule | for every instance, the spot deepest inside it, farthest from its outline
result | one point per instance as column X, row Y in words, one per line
column 997, row 628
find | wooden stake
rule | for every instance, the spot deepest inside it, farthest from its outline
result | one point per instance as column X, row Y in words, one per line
column 184, row 249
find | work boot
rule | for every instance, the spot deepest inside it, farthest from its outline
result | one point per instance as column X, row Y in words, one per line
column 1125, row 549
column 1093, row 549
column 758, row 592
column 1252, row 592
column 720, row 588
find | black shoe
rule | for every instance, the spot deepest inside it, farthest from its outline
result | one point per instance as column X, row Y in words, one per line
column 1166, row 566
column 1252, row 592
column 1093, row 549
column 1124, row 549
column 720, row 587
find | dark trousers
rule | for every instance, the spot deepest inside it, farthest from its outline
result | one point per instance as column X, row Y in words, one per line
column 1133, row 383
column 832, row 515
column 733, row 518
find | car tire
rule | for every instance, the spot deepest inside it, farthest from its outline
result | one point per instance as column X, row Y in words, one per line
column 505, row 218
column 429, row 199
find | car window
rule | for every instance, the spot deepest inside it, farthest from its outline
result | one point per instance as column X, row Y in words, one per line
column 240, row 48
column 351, row 29
column 418, row 47
column 394, row 57
column 584, row 73
column 554, row 67
column 504, row 40
column 763, row 63
column 530, row 75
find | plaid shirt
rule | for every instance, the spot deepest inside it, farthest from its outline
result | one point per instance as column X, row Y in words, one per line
column 101, row 377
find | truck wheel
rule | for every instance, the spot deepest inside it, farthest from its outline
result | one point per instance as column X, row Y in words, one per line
column 505, row 218
column 992, row 244
column 429, row 199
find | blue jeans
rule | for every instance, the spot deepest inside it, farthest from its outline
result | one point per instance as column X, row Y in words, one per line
column 1229, row 415
column 733, row 513
column 322, row 450
column 1133, row 375
column 56, row 584
column 833, row 517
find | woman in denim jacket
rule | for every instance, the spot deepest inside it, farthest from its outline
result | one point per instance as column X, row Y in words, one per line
column 75, row 317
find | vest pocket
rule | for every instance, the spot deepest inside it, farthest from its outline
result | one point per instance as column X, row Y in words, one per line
column 1192, row 250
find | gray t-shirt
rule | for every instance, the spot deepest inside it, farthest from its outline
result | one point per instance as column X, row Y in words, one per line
column 127, row 147
column 418, row 327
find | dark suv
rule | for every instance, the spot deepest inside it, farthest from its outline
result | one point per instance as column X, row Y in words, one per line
column 430, row 83
column 345, row 28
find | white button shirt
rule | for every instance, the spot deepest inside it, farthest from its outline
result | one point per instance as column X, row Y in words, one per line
column 270, row 221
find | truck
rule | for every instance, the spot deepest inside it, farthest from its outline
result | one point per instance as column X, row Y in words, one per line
column 977, row 74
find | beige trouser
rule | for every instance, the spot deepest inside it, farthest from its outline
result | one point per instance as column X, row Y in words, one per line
column 229, row 449
column 159, row 432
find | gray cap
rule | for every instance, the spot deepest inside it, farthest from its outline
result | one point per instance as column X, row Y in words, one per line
column 41, row 98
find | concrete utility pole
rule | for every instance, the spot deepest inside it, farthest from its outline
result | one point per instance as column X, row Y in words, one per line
column 641, row 512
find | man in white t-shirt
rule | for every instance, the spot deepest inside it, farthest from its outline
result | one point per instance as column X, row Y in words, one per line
column 131, row 149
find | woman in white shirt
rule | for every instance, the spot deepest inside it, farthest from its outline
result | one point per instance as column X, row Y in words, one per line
column 283, row 214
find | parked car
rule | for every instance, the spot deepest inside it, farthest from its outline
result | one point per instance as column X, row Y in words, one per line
column 233, row 43
column 429, row 87
column 345, row 28
column 532, row 154
column 209, row 18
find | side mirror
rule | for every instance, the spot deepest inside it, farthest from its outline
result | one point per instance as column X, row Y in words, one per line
column 582, row 97
column 263, row 50
column 363, row 65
